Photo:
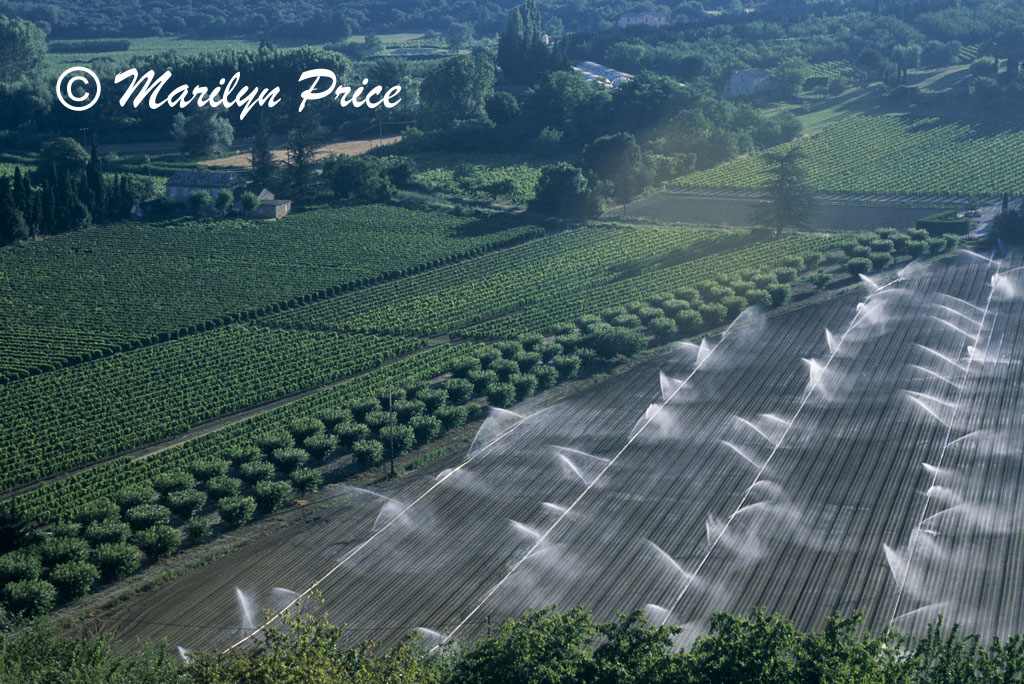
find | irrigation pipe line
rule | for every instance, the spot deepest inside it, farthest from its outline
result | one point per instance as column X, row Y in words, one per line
column 746, row 494
column 369, row 539
column 540, row 540
column 916, row 533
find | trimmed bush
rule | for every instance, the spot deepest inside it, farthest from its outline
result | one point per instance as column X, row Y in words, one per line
column 614, row 341
column 186, row 502
column 407, row 408
column 270, row 496
column 483, row 379
column 858, row 265
column 207, row 468
column 568, row 366
column 109, row 531
column 759, row 298
column 100, row 509
column 158, row 541
column 367, row 451
column 350, row 432
column 509, row 348
column 275, row 440
column 19, row 565
column 197, row 529
column 527, row 361
column 221, row 486
column 254, row 471
column 780, row 293
column 401, row 436
column 30, row 598
column 320, row 446
column 74, row 579
column 301, row 428
column 462, row 366
column 883, row 260
column 425, row 428
column 332, row 416
column 56, row 550
column 660, row 326
column 116, row 561
column 130, row 497
column 432, row 398
column 525, row 384
column 306, row 480
column 505, row 368
column 289, row 459
column 147, row 515
column 459, row 391
column 169, row 482
column 362, row 407
column 452, row 417
column 501, row 394
column 713, row 314
column 241, row 455
column 626, row 320
column 236, row 510
column 530, row 340
column 547, row 376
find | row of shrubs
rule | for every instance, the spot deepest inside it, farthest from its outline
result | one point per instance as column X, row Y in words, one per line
column 108, row 539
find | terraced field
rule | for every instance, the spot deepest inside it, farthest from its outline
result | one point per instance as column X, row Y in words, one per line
column 854, row 454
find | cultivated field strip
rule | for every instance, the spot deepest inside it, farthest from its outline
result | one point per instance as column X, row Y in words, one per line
column 691, row 516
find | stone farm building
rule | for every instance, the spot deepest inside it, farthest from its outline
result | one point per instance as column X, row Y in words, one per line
column 642, row 19
column 751, row 83
column 601, row 76
column 181, row 184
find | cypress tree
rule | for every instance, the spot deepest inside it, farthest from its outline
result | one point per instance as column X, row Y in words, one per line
column 96, row 195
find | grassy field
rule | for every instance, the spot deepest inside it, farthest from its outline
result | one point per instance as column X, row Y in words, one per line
column 893, row 155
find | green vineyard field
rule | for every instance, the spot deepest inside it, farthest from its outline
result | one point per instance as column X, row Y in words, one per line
column 470, row 292
column 893, row 155
column 72, row 416
column 98, row 289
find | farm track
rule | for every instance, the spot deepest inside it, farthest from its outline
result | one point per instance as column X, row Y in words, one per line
column 807, row 540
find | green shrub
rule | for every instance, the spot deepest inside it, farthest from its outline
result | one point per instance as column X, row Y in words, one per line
column 306, row 480
column 186, row 502
column 462, row 366
column 459, row 391
column 241, row 455
column 501, row 394
column 483, row 379
column 367, row 451
column 780, row 293
column 689, row 321
column 288, row 460
column 74, row 579
column 56, row 550
column 197, row 529
column 270, row 441
column 364, row 406
column 116, row 561
column 130, row 497
column 100, row 509
column 432, row 398
column 169, row 482
column 452, row 417
column 29, row 598
column 568, row 366
column 349, row 433
column 784, row 275
column 917, row 248
column 320, row 446
column 713, row 314
column 425, row 428
column 332, row 416
column 547, row 376
column 821, row 280
column 661, row 326
column 19, row 565
column 270, row 496
column 505, row 368
column 407, row 408
column 530, row 340
column 301, row 428
column 254, row 471
column 760, row 298
column 734, row 305
column 147, row 515
column 221, row 486
column 236, row 510
column 858, row 265
column 402, row 437
column 614, row 341
column 109, row 531
column 207, row 468
column 158, row 541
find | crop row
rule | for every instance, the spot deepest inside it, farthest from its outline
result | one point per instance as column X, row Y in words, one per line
column 889, row 155
column 75, row 415
column 571, row 298
column 137, row 280
column 470, row 292
column 62, row 498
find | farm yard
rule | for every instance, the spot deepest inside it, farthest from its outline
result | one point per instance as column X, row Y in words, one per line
column 854, row 453
column 893, row 155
